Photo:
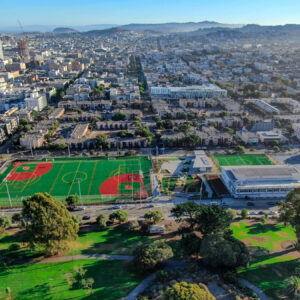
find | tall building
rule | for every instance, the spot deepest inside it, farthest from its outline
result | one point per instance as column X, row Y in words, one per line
column 23, row 48
column 1, row 51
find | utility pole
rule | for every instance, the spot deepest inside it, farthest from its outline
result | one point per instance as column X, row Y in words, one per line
column 69, row 150
column 9, row 199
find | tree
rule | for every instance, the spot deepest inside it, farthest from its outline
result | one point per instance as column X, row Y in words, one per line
column 213, row 219
column 232, row 213
column 101, row 221
column 292, row 287
column 16, row 218
column 189, row 210
column 119, row 116
column 149, row 256
column 50, row 223
column 244, row 213
column 290, row 212
column 77, row 219
column 220, row 252
column 191, row 243
column 154, row 215
column 72, row 200
column 240, row 149
column 5, row 222
column 120, row 215
column 188, row 291
column 101, row 141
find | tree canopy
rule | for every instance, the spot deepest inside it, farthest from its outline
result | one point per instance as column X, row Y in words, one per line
column 149, row 256
column 290, row 212
column 188, row 291
column 50, row 224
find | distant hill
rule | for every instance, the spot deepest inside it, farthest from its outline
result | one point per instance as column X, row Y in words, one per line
column 176, row 27
column 64, row 30
column 106, row 31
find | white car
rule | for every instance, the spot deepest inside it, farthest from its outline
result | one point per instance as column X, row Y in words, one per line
column 253, row 213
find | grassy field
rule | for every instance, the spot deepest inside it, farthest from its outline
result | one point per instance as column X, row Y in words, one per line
column 113, row 240
column 273, row 256
column 113, row 280
column 97, row 180
column 242, row 160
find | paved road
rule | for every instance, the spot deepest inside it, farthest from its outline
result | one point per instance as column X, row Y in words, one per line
column 141, row 287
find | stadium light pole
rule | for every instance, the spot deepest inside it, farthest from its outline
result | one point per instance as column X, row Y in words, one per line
column 8, row 194
column 79, row 190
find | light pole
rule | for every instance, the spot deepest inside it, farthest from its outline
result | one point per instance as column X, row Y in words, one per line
column 69, row 149
column 8, row 194
column 78, row 179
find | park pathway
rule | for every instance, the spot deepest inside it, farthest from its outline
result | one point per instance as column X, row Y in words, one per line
column 255, row 289
column 141, row 287
column 80, row 256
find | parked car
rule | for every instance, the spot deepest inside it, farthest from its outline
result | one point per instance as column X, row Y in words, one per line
column 273, row 213
column 86, row 217
column 116, row 207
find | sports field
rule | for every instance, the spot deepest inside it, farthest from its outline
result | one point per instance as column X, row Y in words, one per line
column 96, row 180
column 242, row 160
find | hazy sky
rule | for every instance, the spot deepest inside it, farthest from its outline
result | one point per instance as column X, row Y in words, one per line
column 87, row 12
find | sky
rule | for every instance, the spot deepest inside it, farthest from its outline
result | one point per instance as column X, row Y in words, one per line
column 88, row 12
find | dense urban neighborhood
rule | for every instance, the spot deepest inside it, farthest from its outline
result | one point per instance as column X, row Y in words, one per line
column 150, row 161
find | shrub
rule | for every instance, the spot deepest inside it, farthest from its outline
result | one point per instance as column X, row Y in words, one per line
column 121, row 216
column 244, row 213
column 154, row 215
column 149, row 256
column 188, row 291
column 101, row 221
column 14, row 247
column 133, row 225
column 232, row 213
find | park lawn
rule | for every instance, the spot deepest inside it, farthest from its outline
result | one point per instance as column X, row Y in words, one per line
column 263, row 237
column 113, row 280
column 242, row 160
column 269, row 273
column 274, row 264
column 113, row 240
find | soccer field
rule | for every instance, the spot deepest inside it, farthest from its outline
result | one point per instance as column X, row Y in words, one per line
column 242, row 160
column 96, row 180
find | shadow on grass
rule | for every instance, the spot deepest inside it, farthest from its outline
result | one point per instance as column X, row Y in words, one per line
column 116, row 240
column 40, row 291
column 112, row 280
column 270, row 278
column 263, row 228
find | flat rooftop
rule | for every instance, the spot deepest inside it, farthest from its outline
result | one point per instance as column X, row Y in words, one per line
column 263, row 172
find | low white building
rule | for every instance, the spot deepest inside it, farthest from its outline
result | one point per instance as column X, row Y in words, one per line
column 255, row 182
column 202, row 163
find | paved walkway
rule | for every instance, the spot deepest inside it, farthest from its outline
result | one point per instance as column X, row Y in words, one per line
column 255, row 289
column 141, row 287
column 82, row 256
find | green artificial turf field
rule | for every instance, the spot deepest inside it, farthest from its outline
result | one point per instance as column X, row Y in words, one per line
column 97, row 180
column 242, row 160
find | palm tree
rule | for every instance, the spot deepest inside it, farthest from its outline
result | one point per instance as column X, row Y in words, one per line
column 292, row 287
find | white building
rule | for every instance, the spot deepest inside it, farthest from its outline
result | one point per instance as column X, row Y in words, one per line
column 36, row 101
column 202, row 164
column 196, row 91
column 260, row 181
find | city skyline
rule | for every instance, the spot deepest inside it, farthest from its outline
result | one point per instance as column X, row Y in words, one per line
column 77, row 13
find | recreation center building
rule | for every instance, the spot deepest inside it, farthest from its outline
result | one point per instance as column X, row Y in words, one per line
column 258, row 182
